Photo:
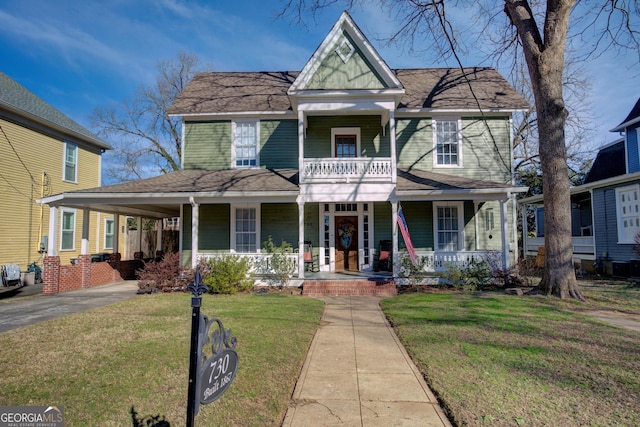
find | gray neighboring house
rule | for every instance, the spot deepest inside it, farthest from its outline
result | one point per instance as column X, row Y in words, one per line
column 605, row 210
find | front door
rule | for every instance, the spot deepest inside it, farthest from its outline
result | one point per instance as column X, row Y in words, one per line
column 346, row 243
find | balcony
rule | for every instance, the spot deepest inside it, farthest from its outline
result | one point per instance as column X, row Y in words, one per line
column 347, row 170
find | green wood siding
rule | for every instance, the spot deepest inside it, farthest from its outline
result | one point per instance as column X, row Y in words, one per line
column 357, row 73
column 372, row 142
column 419, row 217
column 414, row 144
column 279, row 143
column 485, row 148
column 382, row 222
column 207, row 145
column 280, row 221
column 311, row 225
column 214, row 228
column 486, row 151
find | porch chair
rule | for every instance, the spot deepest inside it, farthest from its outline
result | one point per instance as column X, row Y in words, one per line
column 309, row 259
column 385, row 256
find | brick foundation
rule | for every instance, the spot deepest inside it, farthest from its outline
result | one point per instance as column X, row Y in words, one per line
column 349, row 288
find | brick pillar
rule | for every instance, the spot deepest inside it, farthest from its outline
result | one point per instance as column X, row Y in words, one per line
column 84, row 261
column 114, row 262
column 51, row 275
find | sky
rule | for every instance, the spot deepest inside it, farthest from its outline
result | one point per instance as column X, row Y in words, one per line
column 78, row 55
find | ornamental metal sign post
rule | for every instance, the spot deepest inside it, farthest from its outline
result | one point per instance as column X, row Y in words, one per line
column 209, row 377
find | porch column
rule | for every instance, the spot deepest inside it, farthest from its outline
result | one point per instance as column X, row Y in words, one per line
column 301, row 240
column 86, row 219
column 504, row 230
column 476, row 210
column 116, row 234
column 301, row 146
column 394, row 237
column 160, row 223
column 514, row 227
column 195, row 224
column 525, row 231
column 392, row 138
column 52, row 249
column 139, row 242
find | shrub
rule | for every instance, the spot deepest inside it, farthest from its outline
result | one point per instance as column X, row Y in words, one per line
column 471, row 277
column 166, row 275
column 282, row 267
column 228, row 274
column 414, row 274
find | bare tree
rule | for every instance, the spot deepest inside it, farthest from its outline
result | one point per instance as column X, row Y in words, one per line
column 146, row 141
column 540, row 35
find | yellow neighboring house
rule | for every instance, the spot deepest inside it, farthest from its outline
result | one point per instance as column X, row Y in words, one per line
column 44, row 152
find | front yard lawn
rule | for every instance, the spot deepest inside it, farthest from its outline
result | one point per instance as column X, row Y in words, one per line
column 500, row 360
column 99, row 363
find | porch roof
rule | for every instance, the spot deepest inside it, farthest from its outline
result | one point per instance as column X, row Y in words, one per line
column 162, row 196
column 446, row 89
column 433, row 185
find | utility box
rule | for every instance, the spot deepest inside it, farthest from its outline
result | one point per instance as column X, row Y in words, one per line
column 620, row 269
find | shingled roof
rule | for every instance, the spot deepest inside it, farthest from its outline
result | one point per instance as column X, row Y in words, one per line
column 425, row 88
column 19, row 100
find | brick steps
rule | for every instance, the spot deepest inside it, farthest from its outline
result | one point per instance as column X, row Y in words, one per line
column 349, row 288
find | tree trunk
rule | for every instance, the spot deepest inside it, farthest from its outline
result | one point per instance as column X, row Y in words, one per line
column 545, row 62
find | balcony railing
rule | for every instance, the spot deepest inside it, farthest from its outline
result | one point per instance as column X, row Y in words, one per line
column 367, row 169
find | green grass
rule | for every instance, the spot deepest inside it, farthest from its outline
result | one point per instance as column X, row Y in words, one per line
column 99, row 363
column 498, row 360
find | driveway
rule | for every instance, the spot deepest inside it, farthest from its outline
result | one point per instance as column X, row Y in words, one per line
column 19, row 312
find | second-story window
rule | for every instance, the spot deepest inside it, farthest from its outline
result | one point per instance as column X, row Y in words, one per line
column 447, row 142
column 346, row 142
column 70, row 162
column 245, row 143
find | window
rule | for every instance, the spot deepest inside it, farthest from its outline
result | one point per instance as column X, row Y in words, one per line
column 68, row 230
column 489, row 221
column 245, row 143
column 447, row 143
column 448, row 229
column 108, row 233
column 628, row 213
column 346, row 142
column 70, row 163
column 246, row 234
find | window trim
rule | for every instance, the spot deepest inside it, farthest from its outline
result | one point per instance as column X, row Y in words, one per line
column 106, row 221
column 67, row 145
column 62, row 230
column 232, row 230
column 624, row 238
column 345, row 131
column 460, row 207
column 434, row 124
column 234, row 156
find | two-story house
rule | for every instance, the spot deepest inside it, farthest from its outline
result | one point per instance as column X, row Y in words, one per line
column 44, row 152
column 605, row 209
column 330, row 154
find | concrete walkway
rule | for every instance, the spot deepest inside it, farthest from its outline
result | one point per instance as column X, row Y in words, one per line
column 358, row 374
column 26, row 311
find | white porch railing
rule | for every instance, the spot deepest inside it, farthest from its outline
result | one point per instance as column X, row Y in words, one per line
column 438, row 261
column 260, row 264
column 363, row 169
column 584, row 247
